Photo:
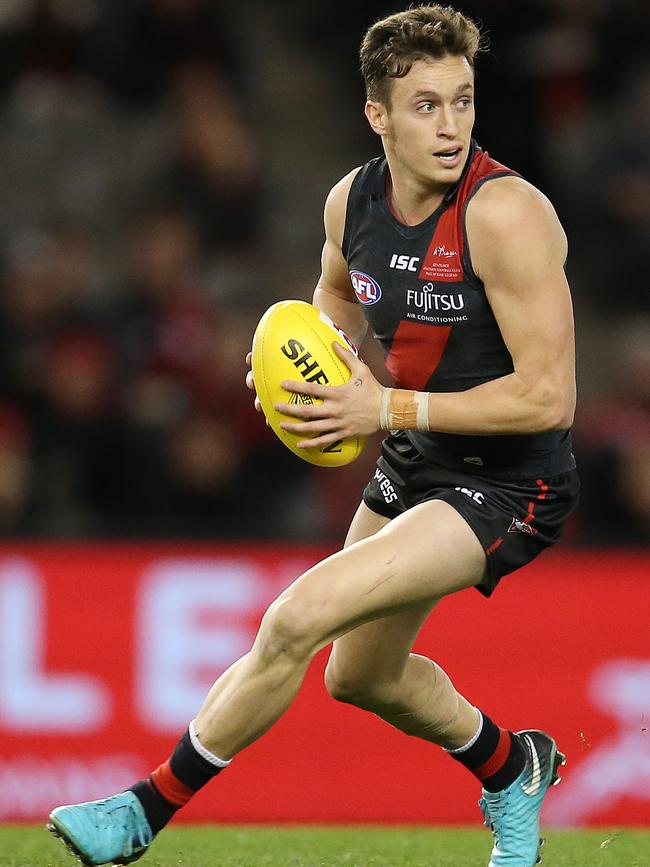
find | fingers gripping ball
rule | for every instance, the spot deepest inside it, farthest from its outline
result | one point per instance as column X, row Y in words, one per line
column 293, row 341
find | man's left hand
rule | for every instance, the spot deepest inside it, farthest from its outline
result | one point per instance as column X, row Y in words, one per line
column 346, row 410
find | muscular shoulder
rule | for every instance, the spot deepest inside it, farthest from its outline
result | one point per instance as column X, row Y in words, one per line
column 336, row 206
column 511, row 215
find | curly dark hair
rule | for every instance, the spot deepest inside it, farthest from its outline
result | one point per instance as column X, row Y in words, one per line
column 392, row 45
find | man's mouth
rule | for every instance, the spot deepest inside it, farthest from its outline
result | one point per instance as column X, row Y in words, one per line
column 448, row 155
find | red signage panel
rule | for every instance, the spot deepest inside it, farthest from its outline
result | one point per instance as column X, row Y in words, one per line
column 106, row 653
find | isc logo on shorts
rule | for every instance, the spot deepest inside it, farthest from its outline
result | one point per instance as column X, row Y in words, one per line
column 367, row 290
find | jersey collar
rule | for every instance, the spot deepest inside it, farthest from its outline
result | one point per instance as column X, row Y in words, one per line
column 453, row 190
column 425, row 225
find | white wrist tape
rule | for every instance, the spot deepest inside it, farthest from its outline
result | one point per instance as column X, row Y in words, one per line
column 422, row 418
column 404, row 410
column 384, row 410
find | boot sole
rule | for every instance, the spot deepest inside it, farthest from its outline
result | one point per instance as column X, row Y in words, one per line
column 61, row 835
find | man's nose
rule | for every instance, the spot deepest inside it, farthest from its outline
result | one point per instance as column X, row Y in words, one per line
column 448, row 123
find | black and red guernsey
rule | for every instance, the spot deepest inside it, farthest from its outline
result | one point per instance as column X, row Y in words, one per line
column 429, row 310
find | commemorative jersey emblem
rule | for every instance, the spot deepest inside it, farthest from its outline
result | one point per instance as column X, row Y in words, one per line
column 367, row 290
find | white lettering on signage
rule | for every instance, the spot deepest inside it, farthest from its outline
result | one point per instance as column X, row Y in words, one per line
column 31, row 785
column 31, row 699
column 194, row 623
column 619, row 766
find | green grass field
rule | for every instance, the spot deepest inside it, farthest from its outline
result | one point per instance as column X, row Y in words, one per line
column 207, row 846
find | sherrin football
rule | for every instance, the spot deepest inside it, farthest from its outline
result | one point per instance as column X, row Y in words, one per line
column 293, row 341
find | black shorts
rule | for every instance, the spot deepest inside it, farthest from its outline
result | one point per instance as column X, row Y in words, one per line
column 513, row 520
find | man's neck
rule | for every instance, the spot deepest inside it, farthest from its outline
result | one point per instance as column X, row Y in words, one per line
column 410, row 202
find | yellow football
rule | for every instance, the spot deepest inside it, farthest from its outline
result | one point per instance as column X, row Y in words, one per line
column 293, row 340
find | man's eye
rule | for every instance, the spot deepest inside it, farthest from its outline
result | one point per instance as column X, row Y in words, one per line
column 425, row 107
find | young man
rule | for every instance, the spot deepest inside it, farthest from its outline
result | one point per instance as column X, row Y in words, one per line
column 457, row 264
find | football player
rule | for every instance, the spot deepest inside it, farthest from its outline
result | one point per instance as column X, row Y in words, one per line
column 457, row 264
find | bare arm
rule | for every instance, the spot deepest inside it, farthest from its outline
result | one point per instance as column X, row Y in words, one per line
column 518, row 249
column 334, row 293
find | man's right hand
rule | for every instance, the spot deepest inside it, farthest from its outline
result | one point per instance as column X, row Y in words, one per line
column 250, row 383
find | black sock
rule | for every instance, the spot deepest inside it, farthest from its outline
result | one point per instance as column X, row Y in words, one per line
column 496, row 757
column 174, row 782
column 157, row 809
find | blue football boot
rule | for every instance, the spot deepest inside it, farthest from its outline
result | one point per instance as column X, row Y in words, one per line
column 513, row 813
column 112, row 831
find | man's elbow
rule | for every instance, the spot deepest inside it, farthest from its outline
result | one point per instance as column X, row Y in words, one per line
column 555, row 408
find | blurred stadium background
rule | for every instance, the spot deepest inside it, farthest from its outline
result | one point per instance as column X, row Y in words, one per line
column 163, row 166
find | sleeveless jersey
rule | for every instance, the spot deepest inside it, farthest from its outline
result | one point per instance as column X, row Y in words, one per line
column 429, row 311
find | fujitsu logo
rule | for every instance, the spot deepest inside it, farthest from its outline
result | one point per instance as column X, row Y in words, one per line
column 427, row 299
column 443, row 253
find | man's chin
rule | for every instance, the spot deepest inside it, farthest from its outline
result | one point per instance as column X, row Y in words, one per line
column 445, row 179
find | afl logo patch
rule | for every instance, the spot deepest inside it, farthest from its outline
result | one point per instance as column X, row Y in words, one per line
column 367, row 290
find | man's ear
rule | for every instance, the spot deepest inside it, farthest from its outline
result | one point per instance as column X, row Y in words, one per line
column 377, row 117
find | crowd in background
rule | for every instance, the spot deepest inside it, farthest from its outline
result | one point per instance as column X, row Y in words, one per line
column 163, row 165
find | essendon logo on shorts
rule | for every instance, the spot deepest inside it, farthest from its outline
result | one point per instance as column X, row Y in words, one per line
column 519, row 526
column 367, row 290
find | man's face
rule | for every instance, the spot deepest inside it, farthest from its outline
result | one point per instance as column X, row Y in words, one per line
column 428, row 127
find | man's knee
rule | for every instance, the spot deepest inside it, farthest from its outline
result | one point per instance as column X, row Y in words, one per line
column 289, row 628
column 432, row 702
column 351, row 688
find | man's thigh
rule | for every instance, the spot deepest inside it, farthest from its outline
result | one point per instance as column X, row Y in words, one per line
column 376, row 651
column 413, row 560
column 364, row 524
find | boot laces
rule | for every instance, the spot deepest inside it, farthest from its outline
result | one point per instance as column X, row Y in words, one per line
column 139, row 834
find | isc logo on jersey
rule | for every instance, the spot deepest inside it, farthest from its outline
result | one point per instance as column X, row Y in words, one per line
column 404, row 263
column 367, row 290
